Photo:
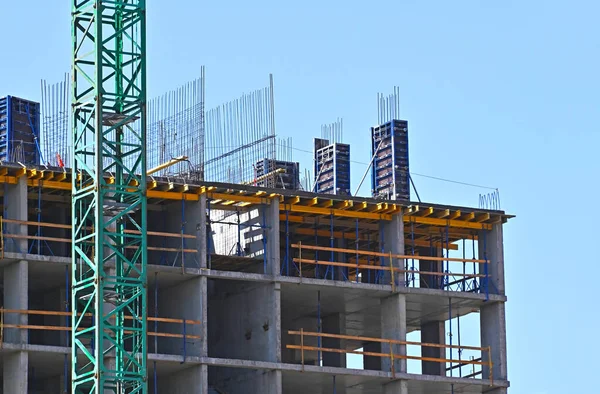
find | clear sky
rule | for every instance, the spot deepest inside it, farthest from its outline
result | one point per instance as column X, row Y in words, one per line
column 501, row 94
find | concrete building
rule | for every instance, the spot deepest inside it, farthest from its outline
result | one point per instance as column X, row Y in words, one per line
column 299, row 282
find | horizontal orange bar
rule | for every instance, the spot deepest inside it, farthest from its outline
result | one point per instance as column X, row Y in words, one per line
column 380, row 340
column 380, row 254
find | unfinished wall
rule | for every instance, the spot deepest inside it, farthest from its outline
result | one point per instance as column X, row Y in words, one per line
column 242, row 320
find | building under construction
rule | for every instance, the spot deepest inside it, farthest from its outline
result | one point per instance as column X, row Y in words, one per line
column 154, row 246
column 255, row 290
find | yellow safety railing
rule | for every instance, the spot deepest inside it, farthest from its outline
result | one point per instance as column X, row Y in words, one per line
column 68, row 240
column 364, row 264
column 3, row 325
column 391, row 355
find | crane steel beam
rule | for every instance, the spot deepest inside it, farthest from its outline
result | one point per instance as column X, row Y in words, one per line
column 109, row 249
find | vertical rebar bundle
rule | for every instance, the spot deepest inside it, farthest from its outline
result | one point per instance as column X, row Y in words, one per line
column 238, row 134
column 284, row 149
column 56, row 122
column 333, row 132
column 176, row 128
column 388, row 107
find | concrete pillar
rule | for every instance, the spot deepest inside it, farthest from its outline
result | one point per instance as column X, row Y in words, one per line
column 493, row 315
column 433, row 332
column 393, row 326
column 16, row 293
column 202, row 233
column 491, row 247
column 273, row 248
column 396, row 387
column 16, row 372
column 393, row 241
column 334, row 324
column 493, row 335
column 15, row 207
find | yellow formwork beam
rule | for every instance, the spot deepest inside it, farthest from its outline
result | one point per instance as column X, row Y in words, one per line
column 335, row 212
column 447, row 222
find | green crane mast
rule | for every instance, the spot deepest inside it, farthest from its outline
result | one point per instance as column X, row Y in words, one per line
column 109, row 251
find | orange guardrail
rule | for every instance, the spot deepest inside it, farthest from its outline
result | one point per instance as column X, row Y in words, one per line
column 391, row 355
column 3, row 325
column 389, row 255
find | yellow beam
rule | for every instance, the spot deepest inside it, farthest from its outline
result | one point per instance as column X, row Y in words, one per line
column 20, row 172
column 167, row 164
column 444, row 214
column 482, row 218
column 336, row 212
column 344, row 204
column 326, row 204
column 446, row 222
column 61, row 177
column 376, row 208
column 361, row 206
column 428, row 212
column 312, row 202
column 166, row 195
column 237, row 198
column 454, row 215
column 293, row 200
column 468, row 217
column 50, row 184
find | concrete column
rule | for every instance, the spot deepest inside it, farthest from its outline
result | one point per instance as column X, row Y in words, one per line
column 334, row 324
column 202, row 233
column 273, row 248
column 393, row 241
column 16, row 372
column 493, row 315
column 491, row 246
column 433, row 332
column 16, row 293
column 15, row 207
column 393, row 326
column 396, row 387
column 493, row 335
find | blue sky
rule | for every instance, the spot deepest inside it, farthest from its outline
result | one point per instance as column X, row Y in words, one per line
column 503, row 94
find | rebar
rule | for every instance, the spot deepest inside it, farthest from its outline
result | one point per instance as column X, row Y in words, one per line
column 388, row 107
column 239, row 133
column 56, row 120
column 333, row 132
column 176, row 127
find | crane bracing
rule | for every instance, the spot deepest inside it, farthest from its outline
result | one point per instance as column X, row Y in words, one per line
column 109, row 250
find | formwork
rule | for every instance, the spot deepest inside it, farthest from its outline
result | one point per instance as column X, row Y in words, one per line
column 277, row 174
column 389, row 147
column 19, row 130
column 332, row 167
